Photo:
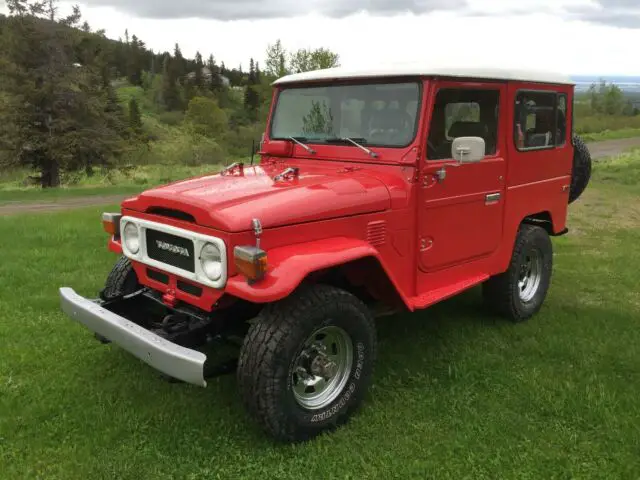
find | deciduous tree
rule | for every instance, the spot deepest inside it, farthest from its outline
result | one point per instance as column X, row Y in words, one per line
column 206, row 118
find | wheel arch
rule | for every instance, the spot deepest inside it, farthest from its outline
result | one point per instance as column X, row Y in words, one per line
column 544, row 220
column 351, row 264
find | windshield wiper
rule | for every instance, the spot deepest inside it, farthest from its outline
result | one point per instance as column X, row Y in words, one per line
column 306, row 147
column 351, row 140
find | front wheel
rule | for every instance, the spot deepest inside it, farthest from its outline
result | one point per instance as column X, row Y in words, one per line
column 122, row 280
column 519, row 293
column 306, row 362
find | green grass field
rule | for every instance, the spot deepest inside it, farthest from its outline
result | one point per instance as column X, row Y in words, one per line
column 611, row 135
column 457, row 393
column 118, row 181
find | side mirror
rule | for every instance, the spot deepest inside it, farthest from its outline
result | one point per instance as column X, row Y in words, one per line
column 468, row 149
column 277, row 148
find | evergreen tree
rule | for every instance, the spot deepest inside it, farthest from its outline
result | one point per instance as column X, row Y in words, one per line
column 251, row 96
column 215, row 82
column 55, row 107
column 258, row 74
column 198, row 78
column 135, row 119
column 178, row 65
column 134, row 61
column 170, row 94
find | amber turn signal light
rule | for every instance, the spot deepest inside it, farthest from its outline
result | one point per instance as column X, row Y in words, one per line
column 250, row 262
column 111, row 223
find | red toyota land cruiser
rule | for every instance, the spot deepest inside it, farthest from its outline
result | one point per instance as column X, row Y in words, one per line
column 393, row 188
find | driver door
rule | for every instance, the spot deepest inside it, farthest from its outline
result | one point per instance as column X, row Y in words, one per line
column 461, row 206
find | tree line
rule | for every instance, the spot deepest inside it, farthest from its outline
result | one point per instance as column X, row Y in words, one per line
column 59, row 103
column 62, row 110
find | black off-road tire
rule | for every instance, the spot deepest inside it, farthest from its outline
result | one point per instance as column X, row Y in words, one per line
column 122, row 280
column 270, row 350
column 502, row 293
column 581, row 173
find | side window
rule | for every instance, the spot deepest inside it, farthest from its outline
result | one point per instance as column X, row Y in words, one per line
column 460, row 112
column 463, row 113
column 540, row 120
column 561, row 126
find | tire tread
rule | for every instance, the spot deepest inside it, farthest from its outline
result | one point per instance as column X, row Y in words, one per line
column 122, row 280
column 498, row 290
column 258, row 382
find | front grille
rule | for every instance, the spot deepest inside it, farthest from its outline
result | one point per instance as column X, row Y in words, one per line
column 189, row 288
column 158, row 276
column 170, row 249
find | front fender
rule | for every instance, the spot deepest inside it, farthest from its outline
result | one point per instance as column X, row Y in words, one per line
column 289, row 266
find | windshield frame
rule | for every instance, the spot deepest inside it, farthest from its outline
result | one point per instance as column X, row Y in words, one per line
column 352, row 82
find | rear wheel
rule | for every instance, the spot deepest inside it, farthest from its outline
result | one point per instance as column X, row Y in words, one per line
column 306, row 362
column 519, row 293
column 581, row 172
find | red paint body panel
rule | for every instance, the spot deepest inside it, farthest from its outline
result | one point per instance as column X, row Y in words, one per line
column 432, row 239
column 229, row 202
column 289, row 265
column 206, row 301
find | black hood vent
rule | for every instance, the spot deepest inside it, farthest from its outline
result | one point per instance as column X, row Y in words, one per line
column 171, row 213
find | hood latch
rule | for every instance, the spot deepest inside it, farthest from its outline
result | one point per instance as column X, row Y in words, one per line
column 288, row 172
column 232, row 167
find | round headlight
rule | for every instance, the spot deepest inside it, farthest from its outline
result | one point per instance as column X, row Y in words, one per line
column 211, row 261
column 131, row 236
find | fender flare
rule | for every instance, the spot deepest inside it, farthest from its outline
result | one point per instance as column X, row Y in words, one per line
column 291, row 264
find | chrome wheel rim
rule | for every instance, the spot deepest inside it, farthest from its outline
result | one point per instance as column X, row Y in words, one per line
column 530, row 275
column 322, row 368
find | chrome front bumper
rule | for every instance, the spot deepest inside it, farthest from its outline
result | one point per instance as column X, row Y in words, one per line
column 178, row 362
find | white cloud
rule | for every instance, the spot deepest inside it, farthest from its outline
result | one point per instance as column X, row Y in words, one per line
column 529, row 33
column 256, row 9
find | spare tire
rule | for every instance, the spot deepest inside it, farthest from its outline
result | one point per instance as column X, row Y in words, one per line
column 581, row 172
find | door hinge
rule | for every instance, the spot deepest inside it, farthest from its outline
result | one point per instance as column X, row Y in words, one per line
column 425, row 244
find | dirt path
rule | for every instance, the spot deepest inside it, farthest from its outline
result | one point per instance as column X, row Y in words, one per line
column 12, row 208
column 598, row 150
column 608, row 148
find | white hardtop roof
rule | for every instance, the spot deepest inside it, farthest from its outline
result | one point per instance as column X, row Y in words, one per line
column 428, row 70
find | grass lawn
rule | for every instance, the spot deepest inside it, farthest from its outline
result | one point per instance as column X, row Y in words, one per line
column 457, row 393
column 117, row 181
column 55, row 194
column 611, row 135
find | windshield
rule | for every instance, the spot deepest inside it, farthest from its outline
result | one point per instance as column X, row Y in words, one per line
column 383, row 115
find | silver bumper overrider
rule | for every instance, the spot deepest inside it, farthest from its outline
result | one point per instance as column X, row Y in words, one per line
column 174, row 360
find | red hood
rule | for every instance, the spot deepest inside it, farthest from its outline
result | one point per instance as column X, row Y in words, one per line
column 229, row 202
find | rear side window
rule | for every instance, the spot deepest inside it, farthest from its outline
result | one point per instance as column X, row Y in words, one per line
column 540, row 120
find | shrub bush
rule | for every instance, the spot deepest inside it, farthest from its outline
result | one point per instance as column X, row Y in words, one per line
column 171, row 118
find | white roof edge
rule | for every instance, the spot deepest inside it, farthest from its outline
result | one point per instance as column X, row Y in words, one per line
column 487, row 73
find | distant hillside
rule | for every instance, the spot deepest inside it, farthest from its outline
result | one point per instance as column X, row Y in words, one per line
column 628, row 84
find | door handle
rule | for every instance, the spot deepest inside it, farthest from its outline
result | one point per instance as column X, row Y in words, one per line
column 492, row 198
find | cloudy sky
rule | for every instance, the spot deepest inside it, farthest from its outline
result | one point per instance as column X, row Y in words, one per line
column 597, row 37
